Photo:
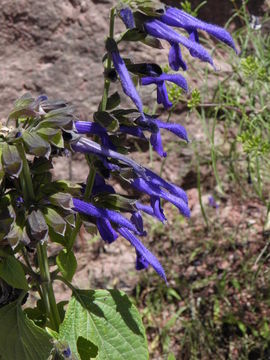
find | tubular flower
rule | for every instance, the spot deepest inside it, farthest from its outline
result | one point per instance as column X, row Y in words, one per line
column 179, row 18
column 127, row 17
column 124, row 227
column 126, row 81
column 93, row 128
column 162, row 95
column 160, row 30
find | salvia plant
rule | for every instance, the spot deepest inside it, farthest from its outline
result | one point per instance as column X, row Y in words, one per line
column 36, row 210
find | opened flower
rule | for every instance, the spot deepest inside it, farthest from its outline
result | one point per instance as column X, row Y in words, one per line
column 162, row 95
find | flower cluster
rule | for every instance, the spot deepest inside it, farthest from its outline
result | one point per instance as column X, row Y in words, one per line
column 37, row 208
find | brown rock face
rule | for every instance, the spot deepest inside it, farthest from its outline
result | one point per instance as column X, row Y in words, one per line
column 55, row 47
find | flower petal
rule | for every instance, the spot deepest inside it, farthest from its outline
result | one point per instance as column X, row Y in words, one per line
column 176, row 129
column 113, row 216
column 91, row 147
column 175, row 58
column 179, row 18
column 127, row 84
column 172, row 188
column 106, row 230
column 160, row 30
column 156, row 142
column 88, row 127
column 152, row 190
column 126, row 15
column 143, row 251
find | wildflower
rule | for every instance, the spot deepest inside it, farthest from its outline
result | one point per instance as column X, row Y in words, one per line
column 212, row 202
column 127, row 17
column 93, row 128
column 160, row 30
column 162, row 95
column 91, row 147
column 124, row 227
column 179, row 18
column 126, row 81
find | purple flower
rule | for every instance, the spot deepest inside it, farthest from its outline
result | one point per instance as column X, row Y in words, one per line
column 160, row 30
column 126, row 81
column 154, row 191
column 124, row 227
column 127, row 17
column 91, row 147
column 175, row 58
column 162, row 95
column 212, row 202
column 179, row 18
column 152, row 124
column 88, row 127
column 100, row 213
column 144, row 256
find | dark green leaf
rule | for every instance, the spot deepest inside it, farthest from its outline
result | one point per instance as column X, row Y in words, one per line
column 67, row 264
column 38, row 229
column 86, row 349
column 113, row 101
column 152, row 42
column 20, row 338
column 11, row 160
column 35, row 144
column 53, row 135
column 23, row 107
column 12, row 272
column 133, row 35
column 145, row 69
column 41, row 165
column 109, row 320
column 115, row 202
column 106, row 120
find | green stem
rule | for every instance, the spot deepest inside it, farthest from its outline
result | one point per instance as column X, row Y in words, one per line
column 108, row 66
column 26, row 179
column 46, row 284
column 102, row 107
column 47, row 289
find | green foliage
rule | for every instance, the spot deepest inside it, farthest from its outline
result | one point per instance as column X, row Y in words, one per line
column 20, row 338
column 12, row 272
column 104, row 323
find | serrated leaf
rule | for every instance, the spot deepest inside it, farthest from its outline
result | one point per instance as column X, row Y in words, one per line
column 67, row 264
column 12, row 272
column 55, row 221
column 35, row 144
column 109, row 320
column 38, row 229
column 106, row 120
column 113, row 101
column 20, row 338
column 11, row 160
